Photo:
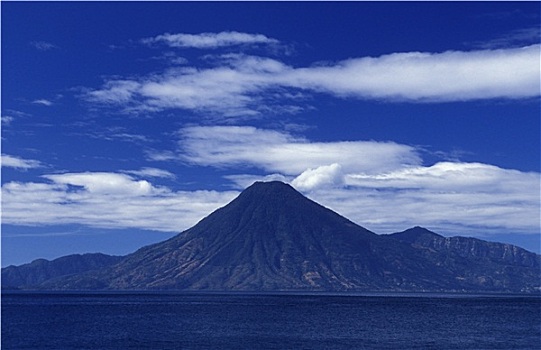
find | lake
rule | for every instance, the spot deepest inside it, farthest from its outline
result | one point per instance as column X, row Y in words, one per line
column 269, row 321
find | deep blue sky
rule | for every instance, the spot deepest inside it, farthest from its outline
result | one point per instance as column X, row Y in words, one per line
column 124, row 123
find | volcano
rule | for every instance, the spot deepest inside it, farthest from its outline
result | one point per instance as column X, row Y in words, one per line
column 272, row 238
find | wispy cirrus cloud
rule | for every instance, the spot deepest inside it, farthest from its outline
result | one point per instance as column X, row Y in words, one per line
column 118, row 134
column 152, row 172
column 241, row 85
column 7, row 119
column 160, row 155
column 43, row 102
column 516, row 38
column 233, row 89
column 210, row 40
column 43, row 45
column 19, row 163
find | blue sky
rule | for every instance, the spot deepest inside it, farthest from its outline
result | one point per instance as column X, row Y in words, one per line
column 125, row 123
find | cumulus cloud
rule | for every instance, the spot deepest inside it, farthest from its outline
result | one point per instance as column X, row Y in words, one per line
column 241, row 85
column 327, row 175
column 108, row 200
column 19, row 163
column 210, row 40
column 231, row 146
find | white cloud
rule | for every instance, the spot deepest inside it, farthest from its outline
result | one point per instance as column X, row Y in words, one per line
column 108, row 200
column 160, row 155
column 416, row 76
column 447, row 196
column 43, row 45
column 458, row 210
column 230, row 146
column 19, row 163
column 152, row 172
column 449, row 176
column 210, row 40
column 453, row 198
column 105, row 183
column 240, row 85
column 43, row 102
column 115, row 92
column 323, row 176
column 6, row 119
column 233, row 89
column 518, row 37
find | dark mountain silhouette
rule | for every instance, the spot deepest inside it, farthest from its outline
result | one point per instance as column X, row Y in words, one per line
column 489, row 264
column 463, row 247
column 41, row 270
column 272, row 238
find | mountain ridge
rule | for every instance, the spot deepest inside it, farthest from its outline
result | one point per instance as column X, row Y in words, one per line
column 272, row 238
column 41, row 270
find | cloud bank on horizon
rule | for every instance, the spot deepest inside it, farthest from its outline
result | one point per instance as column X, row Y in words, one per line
column 380, row 185
column 384, row 186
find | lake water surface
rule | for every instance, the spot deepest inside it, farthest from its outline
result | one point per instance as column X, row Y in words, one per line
column 281, row 321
